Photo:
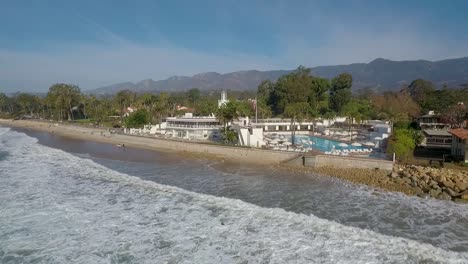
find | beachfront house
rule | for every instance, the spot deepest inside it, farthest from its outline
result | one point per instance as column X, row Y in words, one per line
column 193, row 127
column 432, row 121
column 436, row 139
column 460, row 144
column 129, row 110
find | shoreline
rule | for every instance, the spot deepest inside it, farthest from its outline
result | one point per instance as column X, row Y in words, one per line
column 379, row 179
column 186, row 148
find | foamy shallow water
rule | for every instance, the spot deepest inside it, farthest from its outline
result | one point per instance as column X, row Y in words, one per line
column 60, row 208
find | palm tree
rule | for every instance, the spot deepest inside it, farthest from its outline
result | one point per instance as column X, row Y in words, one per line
column 225, row 114
column 297, row 112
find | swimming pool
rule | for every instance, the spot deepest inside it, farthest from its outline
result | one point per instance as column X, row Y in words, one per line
column 321, row 144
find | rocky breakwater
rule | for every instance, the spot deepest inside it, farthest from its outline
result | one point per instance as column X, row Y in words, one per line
column 445, row 184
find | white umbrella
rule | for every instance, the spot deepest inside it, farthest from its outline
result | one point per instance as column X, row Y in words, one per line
column 343, row 145
column 274, row 141
column 378, row 138
column 355, row 144
column 354, row 132
column 282, row 136
column 287, row 143
column 370, row 144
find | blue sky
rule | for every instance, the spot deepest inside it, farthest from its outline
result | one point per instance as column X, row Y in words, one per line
column 97, row 43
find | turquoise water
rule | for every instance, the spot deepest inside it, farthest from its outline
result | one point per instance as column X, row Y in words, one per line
column 322, row 144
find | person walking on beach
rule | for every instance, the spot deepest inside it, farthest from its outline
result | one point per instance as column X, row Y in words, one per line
column 121, row 146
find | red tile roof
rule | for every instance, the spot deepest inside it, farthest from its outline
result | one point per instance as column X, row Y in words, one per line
column 460, row 133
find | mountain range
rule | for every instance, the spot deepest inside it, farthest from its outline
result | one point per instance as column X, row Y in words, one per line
column 380, row 74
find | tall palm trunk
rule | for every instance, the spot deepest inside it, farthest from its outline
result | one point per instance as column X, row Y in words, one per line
column 293, row 130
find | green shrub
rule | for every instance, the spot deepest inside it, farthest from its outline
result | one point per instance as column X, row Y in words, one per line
column 402, row 143
column 229, row 136
column 402, row 125
column 137, row 119
column 417, row 136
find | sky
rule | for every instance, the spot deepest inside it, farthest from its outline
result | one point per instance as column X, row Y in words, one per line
column 97, row 43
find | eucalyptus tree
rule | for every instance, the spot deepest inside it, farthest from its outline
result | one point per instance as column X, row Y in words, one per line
column 193, row 95
column 61, row 98
column 206, row 106
column 122, row 100
column 340, row 92
column 29, row 104
column 5, row 104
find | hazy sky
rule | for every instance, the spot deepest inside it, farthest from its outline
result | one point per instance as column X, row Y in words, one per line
column 96, row 43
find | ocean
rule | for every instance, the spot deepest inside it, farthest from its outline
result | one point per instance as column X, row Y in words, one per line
column 72, row 201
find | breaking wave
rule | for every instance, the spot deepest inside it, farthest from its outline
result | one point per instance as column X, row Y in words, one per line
column 60, row 208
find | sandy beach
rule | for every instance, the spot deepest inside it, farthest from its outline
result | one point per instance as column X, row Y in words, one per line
column 191, row 149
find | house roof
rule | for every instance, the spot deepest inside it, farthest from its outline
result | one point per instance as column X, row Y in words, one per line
column 460, row 133
column 429, row 115
column 436, row 132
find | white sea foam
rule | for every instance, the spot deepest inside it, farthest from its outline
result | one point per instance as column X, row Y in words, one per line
column 60, row 208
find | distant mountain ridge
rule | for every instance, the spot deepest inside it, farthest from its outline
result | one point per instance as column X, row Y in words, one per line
column 380, row 73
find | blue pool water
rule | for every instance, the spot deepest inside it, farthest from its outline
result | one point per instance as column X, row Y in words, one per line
column 322, row 144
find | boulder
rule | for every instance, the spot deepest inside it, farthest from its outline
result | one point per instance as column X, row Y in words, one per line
column 438, row 178
column 444, row 196
column 461, row 185
column 434, row 193
column 458, row 200
column 451, row 192
column 384, row 180
column 424, row 195
column 417, row 190
column 426, row 178
column 448, row 184
column 433, row 183
column 464, row 196
column 399, row 181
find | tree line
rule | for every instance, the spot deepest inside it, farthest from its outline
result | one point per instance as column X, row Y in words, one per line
column 298, row 95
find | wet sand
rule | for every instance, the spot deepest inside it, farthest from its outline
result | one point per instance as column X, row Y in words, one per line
column 99, row 149
column 89, row 141
column 189, row 148
column 108, row 151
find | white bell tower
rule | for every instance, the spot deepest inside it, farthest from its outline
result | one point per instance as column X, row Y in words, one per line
column 223, row 100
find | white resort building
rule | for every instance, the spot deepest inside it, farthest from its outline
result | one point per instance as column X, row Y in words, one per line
column 193, row 127
column 279, row 125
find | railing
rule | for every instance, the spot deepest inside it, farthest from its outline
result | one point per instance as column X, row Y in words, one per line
column 191, row 126
column 284, row 121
